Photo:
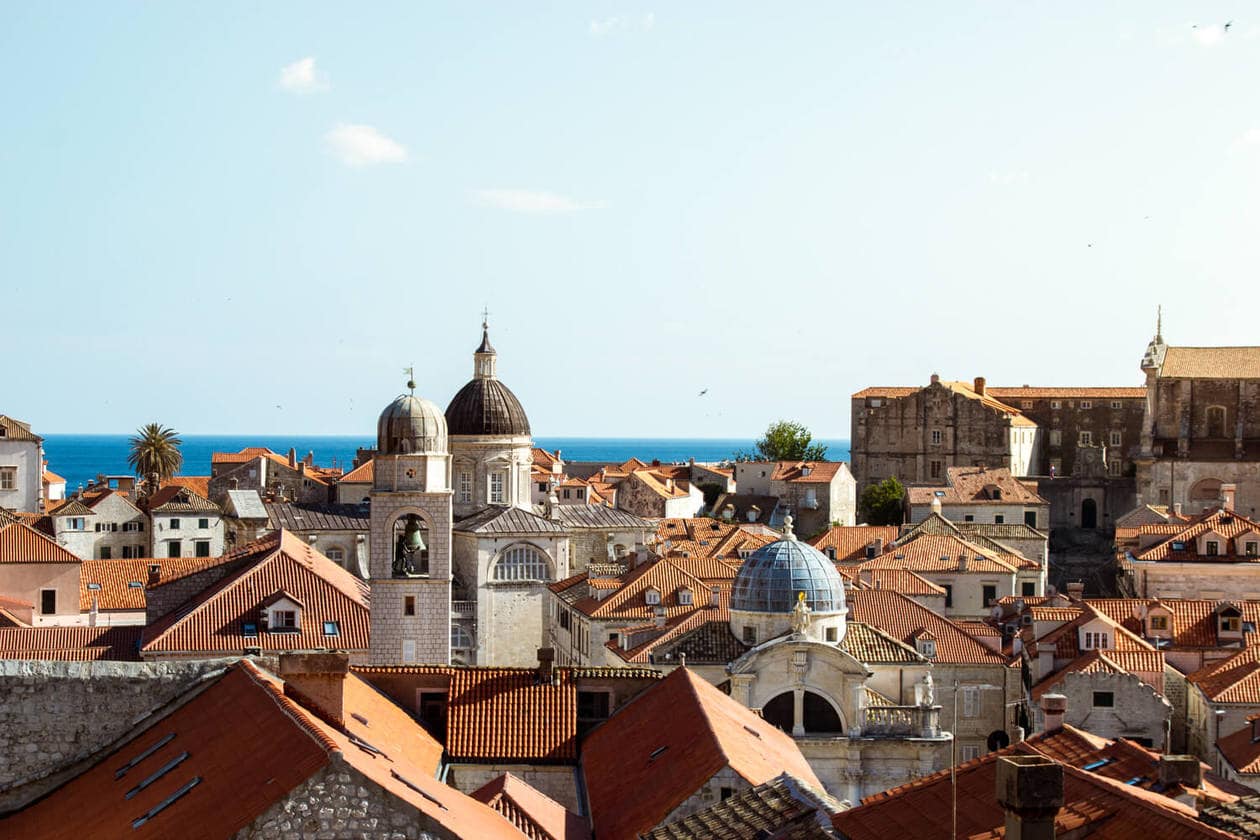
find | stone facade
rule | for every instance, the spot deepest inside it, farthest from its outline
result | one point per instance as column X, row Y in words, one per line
column 21, row 467
column 559, row 781
column 1113, row 705
column 490, row 470
column 57, row 714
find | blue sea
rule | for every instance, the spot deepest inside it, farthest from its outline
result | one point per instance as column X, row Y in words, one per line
column 78, row 458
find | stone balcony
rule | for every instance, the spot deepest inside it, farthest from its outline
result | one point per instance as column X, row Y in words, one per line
column 463, row 609
column 899, row 722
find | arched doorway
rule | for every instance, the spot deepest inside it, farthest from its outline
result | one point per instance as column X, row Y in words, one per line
column 1089, row 514
column 780, row 712
column 998, row 740
column 820, row 715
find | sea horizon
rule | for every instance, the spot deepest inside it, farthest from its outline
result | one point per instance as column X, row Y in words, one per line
column 79, row 458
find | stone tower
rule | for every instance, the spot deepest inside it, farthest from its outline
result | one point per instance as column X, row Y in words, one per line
column 410, row 567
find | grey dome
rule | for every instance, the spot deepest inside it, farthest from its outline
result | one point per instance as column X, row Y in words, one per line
column 772, row 576
column 411, row 425
column 486, row 407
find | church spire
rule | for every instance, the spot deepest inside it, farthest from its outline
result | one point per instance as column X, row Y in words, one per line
column 484, row 358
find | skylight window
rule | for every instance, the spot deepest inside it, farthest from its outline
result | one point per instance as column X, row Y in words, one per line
column 166, row 768
column 168, row 801
column 331, row 628
column 122, row 771
column 656, row 753
column 250, row 629
column 135, row 584
column 940, row 494
column 1178, row 545
column 94, row 586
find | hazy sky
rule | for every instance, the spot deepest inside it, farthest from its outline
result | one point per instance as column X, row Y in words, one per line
column 249, row 217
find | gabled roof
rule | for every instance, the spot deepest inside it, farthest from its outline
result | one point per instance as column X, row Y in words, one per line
column 114, row 585
column 1194, row 621
column 71, row 644
column 784, row 808
column 17, row 430
column 598, row 516
column 1211, row 363
column 1138, row 663
column 199, row 484
column 1030, row 393
column 927, row 553
column 638, row 771
column 499, row 519
column 663, row 487
column 868, row 644
column 978, row 486
column 365, row 473
column 807, row 472
column 71, row 507
column 898, row 580
column 1232, row 680
column 222, row 759
column 176, row 499
column 536, row 815
column 1241, row 749
column 850, row 541
column 487, row 706
column 899, row 617
column 707, row 539
column 51, row 477
column 1182, row 546
column 93, row 499
column 21, row 543
column 310, row 516
column 629, row 603
column 213, row 620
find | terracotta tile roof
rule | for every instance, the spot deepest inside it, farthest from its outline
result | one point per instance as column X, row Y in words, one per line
column 20, row 543
column 1182, row 547
column 1194, row 621
column 784, row 808
column 890, row 392
column 176, row 499
column 95, row 497
column 870, row 644
column 898, row 580
column 939, row 553
column 543, row 458
column 1242, row 750
column 17, row 430
column 247, row 745
column 502, row 713
column 1211, row 363
column 1027, row 393
column 71, row 507
column 900, row 617
column 629, row 602
column 114, row 584
column 850, row 541
column 11, row 618
column 364, row 474
column 213, row 621
column 1147, row 665
column 657, row 484
column 1103, row 808
column 979, row 486
column 536, row 815
column 1232, row 680
column 51, row 477
column 702, row 635
column 1066, row 637
column 638, row 771
column 977, row 629
column 249, row 453
column 308, row 516
column 819, row 472
column 70, row 643
column 176, row 568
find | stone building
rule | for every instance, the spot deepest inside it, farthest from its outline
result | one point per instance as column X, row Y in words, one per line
column 818, row 494
column 21, row 466
column 183, row 523
column 276, row 477
column 1213, row 556
column 979, row 495
column 1201, row 427
column 37, row 575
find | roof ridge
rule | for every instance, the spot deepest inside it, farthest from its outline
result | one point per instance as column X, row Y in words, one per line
column 304, row 719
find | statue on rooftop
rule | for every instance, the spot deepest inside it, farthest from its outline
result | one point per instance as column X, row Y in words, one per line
column 800, row 615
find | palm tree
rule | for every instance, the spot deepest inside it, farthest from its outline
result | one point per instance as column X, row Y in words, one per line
column 155, row 453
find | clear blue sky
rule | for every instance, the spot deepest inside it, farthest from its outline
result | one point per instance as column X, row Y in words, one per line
column 249, row 217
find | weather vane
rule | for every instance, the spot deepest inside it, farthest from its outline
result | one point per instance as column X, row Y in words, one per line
column 411, row 378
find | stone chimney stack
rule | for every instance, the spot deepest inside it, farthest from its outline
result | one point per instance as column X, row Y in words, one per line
column 1184, row 770
column 715, row 596
column 978, row 385
column 659, row 616
column 1076, row 590
column 1030, row 790
column 292, row 458
column 318, row 682
column 546, row 664
column 1053, row 707
column 878, row 545
column 1228, row 493
column 155, row 574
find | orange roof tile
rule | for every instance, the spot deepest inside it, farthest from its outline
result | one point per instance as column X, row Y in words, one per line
column 51, row 477
column 118, row 643
column 629, row 601
column 114, row 584
column 638, row 771
column 501, row 713
column 940, row 552
column 1147, row 665
column 536, row 815
column 1242, row 750
column 1194, row 621
column 364, row 473
column 1182, row 546
column 20, row 543
column 199, row 484
column 213, row 620
column 976, row 485
column 666, row 488
column 806, row 472
column 850, row 541
column 1232, row 680
column 1028, row 393
column 900, row 617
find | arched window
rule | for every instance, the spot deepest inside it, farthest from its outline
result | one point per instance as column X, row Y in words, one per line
column 520, row 562
column 461, row 639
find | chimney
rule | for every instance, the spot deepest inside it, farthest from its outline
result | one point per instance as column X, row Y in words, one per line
column 715, row 595
column 1177, row 508
column 936, row 504
column 978, row 385
column 292, row 458
column 1076, row 589
column 1053, row 708
column 1030, row 790
column 753, row 513
column 546, row 662
column 1184, row 770
column 1228, row 493
column 878, row 545
column 155, row 574
column 659, row 613
column 318, row 682
column 962, row 564
column 309, row 460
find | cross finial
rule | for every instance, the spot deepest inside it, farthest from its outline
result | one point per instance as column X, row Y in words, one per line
column 411, row 378
column 485, row 317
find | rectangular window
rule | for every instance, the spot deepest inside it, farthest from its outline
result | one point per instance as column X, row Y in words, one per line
column 203, row 523
column 566, row 493
column 1095, row 641
column 465, row 487
column 1116, row 438
column 832, row 634
column 592, row 705
column 949, row 594
column 106, row 552
column 284, row 620
column 970, row 701
column 999, row 519
column 331, row 628
column 1113, row 466
column 127, row 552
column 173, row 548
column 1086, row 404
column 1213, row 548
column 1159, row 622
column 1054, row 404
column 47, row 601
column 1030, row 518
column 936, row 436
column 1104, row 699
column 496, row 488
column 174, row 524
column 409, row 650
column 564, row 619
column 1085, row 438
column 133, row 527
column 1028, row 588
column 8, row 478
column 934, row 469
column 969, row 517
column 409, row 605
column 1117, row 404
column 1230, row 624
column 988, row 594
column 968, row 752
column 202, row 548
column 750, row 635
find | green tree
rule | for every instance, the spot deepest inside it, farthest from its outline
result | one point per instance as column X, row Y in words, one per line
column 785, row 441
column 155, row 452
column 881, row 504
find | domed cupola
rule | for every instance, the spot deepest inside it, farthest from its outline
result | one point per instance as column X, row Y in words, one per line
column 781, row 581
column 411, row 425
column 485, row 406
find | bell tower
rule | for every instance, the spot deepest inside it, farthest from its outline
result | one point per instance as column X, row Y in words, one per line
column 410, row 565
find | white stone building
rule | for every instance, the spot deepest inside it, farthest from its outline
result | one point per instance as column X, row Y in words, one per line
column 21, row 466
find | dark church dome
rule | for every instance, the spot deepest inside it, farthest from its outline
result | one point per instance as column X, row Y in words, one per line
column 486, row 407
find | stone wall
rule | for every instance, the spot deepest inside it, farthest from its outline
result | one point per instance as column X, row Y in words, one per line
column 56, row 714
column 340, row 802
column 557, row 781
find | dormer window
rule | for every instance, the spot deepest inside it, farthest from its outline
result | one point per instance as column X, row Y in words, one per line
column 926, row 647
column 652, row 596
column 1158, row 622
column 1231, row 624
column 282, row 614
column 684, row 597
column 1096, row 640
column 284, row 620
